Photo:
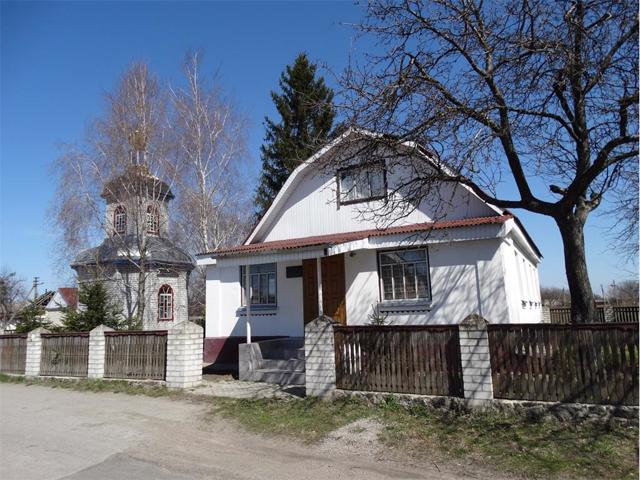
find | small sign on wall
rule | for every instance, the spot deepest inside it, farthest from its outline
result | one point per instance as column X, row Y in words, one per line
column 294, row 272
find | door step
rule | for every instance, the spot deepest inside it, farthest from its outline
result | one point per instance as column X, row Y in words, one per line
column 279, row 377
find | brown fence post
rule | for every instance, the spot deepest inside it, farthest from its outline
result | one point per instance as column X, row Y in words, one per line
column 34, row 352
column 184, row 355
column 476, row 363
column 320, row 357
column 97, row 351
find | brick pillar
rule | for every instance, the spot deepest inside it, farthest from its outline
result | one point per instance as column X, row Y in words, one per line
column 320, row 357
column 608, row 315
column 546, row 314
column 34, row 352
column 184, row 355
column 476, row 366
column 97, row 344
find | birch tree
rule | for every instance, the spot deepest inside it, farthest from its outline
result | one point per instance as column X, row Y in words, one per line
column 124, row 152
column 210, row 142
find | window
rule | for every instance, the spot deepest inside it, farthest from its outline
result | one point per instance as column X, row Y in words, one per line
column 165, row 303
column 153, row 220
column 262, row 279
column 404, row 275
column 120, row 219
column 362, row 183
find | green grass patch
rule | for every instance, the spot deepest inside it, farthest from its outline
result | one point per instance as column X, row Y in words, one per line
column 307, row 419
column 96, row 385
column 500, row 441
column 506, row 442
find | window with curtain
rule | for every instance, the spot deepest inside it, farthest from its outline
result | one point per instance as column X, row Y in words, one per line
column 165, row 303
column 404, row 275
column 262, row 281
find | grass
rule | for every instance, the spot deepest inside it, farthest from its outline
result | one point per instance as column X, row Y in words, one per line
column 308, row 419
column 500, row 441
column 96, row 385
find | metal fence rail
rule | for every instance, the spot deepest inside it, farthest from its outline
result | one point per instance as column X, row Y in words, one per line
column 588, row 363
column 13, row 353
column 136, row 355
column 65, row 354
column 404, row 359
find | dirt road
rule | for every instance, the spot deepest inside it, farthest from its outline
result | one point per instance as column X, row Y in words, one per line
column 50, row 433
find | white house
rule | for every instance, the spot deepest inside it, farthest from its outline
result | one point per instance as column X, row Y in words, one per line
column 320, row 249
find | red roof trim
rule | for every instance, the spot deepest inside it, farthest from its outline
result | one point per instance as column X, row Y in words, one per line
column 338, row 238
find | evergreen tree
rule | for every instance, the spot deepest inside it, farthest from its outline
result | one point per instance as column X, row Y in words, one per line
column 97, row 310
column 30, row 318
column 306, row 111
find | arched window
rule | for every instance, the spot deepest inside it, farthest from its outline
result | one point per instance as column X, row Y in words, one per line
column 119, row 219
column 165, row 303
column 153, row 220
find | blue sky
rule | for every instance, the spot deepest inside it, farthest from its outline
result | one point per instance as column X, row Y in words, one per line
column 58, row 58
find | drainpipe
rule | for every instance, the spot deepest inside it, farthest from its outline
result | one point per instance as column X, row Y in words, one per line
column 247, row 301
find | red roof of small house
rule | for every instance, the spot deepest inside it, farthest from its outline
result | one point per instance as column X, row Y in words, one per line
column 337, row 238
column 70, row 296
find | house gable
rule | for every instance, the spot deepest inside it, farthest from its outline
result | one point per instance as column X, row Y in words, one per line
column 308, row 205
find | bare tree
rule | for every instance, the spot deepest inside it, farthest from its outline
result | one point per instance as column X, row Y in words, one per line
column 120, row 162
column 210, row 141
column 12, row 297
column 540, row 93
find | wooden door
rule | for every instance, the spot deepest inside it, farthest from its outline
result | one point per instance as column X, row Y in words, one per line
column 310, row 289
column 333, row 288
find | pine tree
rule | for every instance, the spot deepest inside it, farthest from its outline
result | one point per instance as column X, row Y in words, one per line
column 97, row 310
column 306, row 111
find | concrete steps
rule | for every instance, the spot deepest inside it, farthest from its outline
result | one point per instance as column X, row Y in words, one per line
column 279, row 377
column 292, row 364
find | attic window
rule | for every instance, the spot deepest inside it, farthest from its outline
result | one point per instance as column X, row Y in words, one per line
column 362, row 183
column 153, row 220
column 119, row 220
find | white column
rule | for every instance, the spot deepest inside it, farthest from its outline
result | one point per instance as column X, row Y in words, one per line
column 34, row 352
column 184, row 355
column 247, row 301
column 97, row 346
column 319, row 271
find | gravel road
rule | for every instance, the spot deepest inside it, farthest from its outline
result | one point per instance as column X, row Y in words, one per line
column 48, row 433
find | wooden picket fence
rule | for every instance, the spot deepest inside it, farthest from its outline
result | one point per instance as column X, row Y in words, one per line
column 136, row 355
column 404, row 359
column 65, row 354
column 589, row 363
column 13, row 353
column 621, row 314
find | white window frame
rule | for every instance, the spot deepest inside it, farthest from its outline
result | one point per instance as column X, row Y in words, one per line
column 119, row 220
column 165, row 304
column 260, row 276
column 417, row 300
column 361, row 172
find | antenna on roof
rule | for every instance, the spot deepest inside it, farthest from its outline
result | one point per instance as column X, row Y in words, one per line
column 36, row 284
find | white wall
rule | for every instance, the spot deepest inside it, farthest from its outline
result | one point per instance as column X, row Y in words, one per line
column 224, row 300
column 466, row 277
column 311, row 209
column 521, row 277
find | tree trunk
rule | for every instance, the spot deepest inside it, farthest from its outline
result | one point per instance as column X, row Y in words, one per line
column 582, row 303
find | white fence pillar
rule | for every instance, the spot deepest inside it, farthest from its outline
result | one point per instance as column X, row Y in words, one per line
column 184, row 355
column 34, row 352
column 97, row 343
column 320, row 358
column 476, row 364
